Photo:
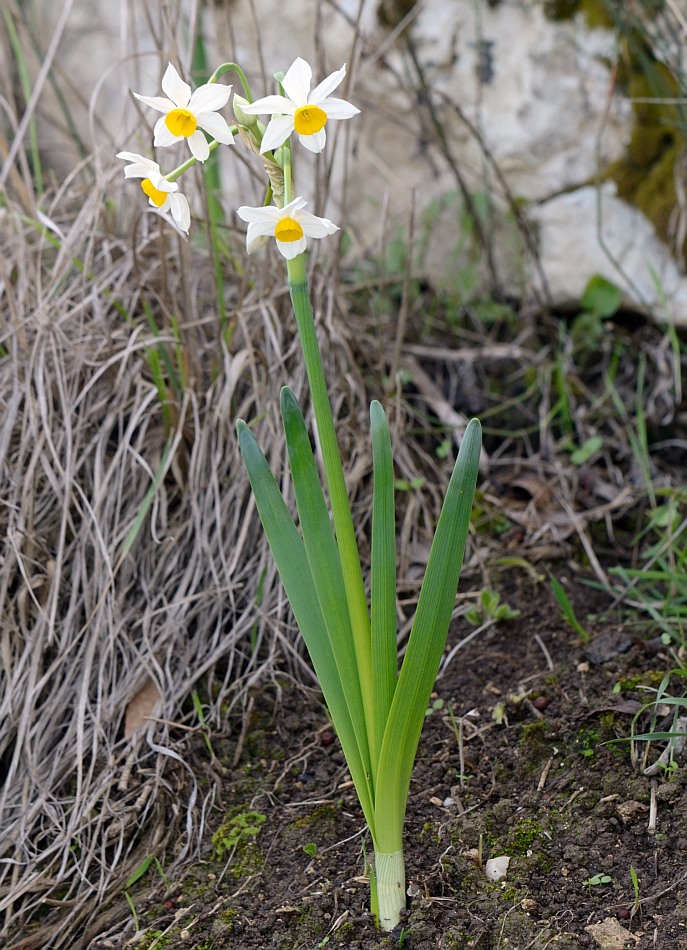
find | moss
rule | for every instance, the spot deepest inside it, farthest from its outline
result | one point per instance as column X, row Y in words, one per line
column 325, row 814
column 154, row 940
column 533, row 735
column 652, row 678
column 523, row 835
column 596, row 12
column 235, row 840
column 228, row 918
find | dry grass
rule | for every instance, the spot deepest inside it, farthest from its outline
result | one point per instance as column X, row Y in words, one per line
column 113, row 612
column 110, row 620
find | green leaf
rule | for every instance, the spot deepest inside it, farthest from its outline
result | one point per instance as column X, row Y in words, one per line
column 590, row 447
column 383, row 575
column 425, row 645
column 289, row 554
column 601, row 297
column 567, row 610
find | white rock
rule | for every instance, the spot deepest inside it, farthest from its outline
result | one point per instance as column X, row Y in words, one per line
column 629, row 254
column 496, row 869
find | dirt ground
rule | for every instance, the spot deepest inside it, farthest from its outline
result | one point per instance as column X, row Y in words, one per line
column 514, row 761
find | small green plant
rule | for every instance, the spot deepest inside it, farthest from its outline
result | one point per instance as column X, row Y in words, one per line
column 434, row 706
column 657, row 587
column 310, row 849
column 198, row 706
column 596, row 879
column 140, row 872
column 635, row 889
column 567, row 610
column 489, row 607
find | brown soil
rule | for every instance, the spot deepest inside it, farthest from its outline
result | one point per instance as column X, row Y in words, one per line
column 516, row 762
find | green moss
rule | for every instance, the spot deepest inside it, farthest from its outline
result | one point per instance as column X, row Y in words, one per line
column 325, row 814
column 652, row 678
column 587, row 741
column 228, row 918
column 596, row 12
column 235, row 840
column 155, row 939
column 523, row 835
column 645, row 175
column 533, row 735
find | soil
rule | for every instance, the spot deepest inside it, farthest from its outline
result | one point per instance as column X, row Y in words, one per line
column 515, row 760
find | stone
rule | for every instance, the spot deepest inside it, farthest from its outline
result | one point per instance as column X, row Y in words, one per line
column 527, row 108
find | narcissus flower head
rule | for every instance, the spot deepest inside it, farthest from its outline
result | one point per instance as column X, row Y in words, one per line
column 186, row 113
column 301, row 109
column 291, row 227
column 162, row 194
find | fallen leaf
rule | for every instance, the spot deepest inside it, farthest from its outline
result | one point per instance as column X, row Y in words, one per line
column 141, row 707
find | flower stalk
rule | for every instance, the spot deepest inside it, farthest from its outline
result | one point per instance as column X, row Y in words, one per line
column 336, row 486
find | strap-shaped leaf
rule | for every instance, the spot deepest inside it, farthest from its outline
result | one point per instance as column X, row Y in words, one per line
column 325, row 564
column 425, row 645
column 383, row 575
column 290, row 557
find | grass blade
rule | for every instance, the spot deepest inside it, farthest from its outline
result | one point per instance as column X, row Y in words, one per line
column 383, row 575
column 425, row 645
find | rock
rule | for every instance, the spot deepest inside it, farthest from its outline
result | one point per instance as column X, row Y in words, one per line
column 632, row 257
column 496, row 869
column 500, row 79
column 610, row 934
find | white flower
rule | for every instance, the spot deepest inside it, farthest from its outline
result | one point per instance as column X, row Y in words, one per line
column 304, row 111
column 162, row 194
column 290, row 226
column 184, row 112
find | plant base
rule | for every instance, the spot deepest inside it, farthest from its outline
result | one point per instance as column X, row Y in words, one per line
column 390, row 877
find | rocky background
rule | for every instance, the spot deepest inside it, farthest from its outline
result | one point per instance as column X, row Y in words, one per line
column 547, row 134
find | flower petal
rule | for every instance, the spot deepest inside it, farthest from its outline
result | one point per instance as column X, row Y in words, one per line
column 163, row 136
column 141, row 166
column 198, row 145
column 209, row 98
column 268, row 216
column 161, row 183
column 181, row 211
column 270, row 105
column 291, row 249
column 175, row 87
column 256, row 237
column 315, row 227
column 156, row 102
column 216, row 126
column 294, row 205
column 296, row 82
column 338, row 108
column 327, row 85
column 277, row 132
column 314, row 142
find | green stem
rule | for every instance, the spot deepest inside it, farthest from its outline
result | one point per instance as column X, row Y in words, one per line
column 233, row 68
column 336, row 486
column 180, row 169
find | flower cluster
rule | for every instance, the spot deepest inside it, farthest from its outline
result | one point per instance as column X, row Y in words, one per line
column 192, row 115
